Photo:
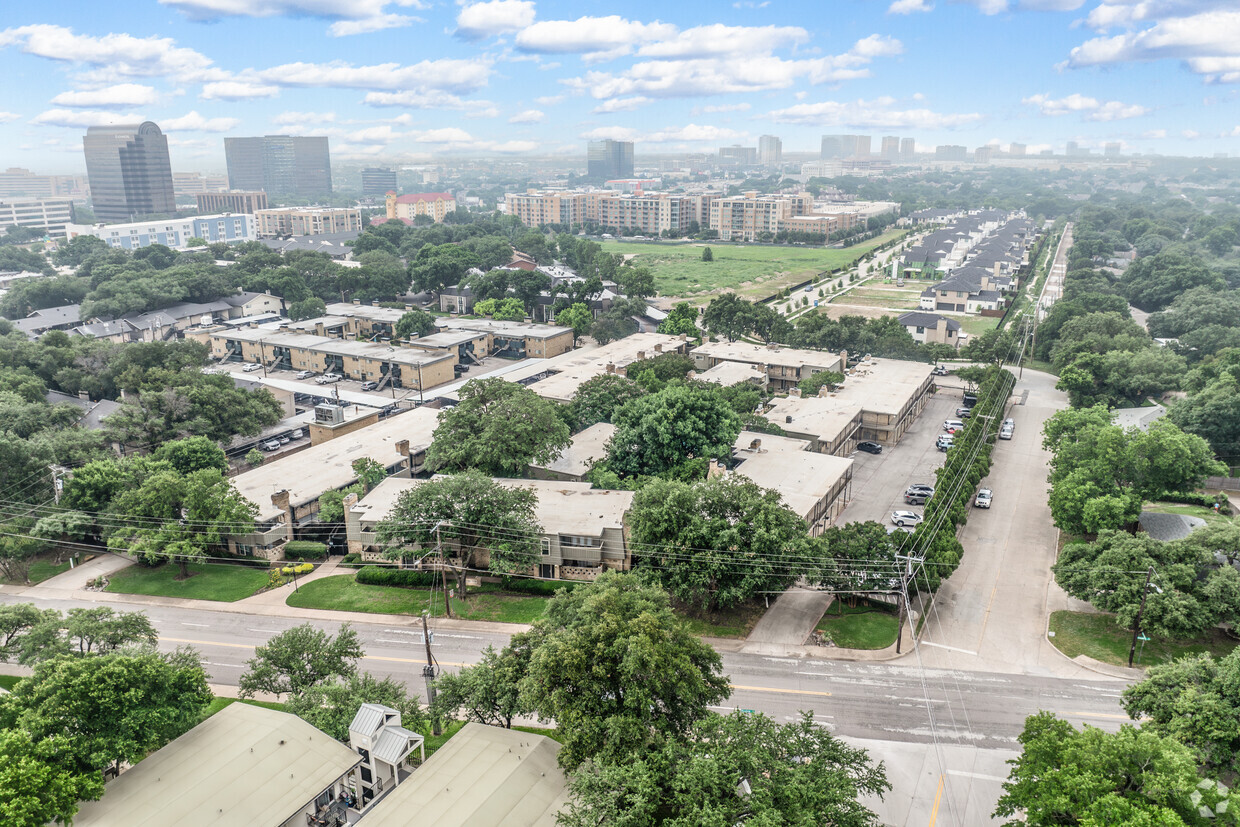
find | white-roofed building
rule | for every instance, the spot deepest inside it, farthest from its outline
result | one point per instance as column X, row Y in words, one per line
column 814, row 485
column 376, row 734
column 571, row 464
column 243, row 766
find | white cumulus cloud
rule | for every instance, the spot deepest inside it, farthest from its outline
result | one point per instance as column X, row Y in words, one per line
column 121, row 94
column 9, row 117
column 82, row 119
column 123, row 55
column 909, row 6
column 232, row 90
column 1091, row 109
column 366, row 25
column 478, row 20
column 878, row 114
column 619, row 105
column 193, row 122
column 528, row 116
column 718, row 39
column 594, row 37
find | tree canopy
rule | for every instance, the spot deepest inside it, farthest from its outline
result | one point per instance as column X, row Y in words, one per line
column 663, row 430
column 299, row 658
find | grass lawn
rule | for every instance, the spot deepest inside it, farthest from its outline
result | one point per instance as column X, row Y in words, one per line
column 1098, row 636
column 976, row 325
column 41, row 570
column 864, row 626
column 735, row 623
column 207, row 581
column 750, row 270
column 9, row 681
column 1207, row 514
column 342, row 593
column 219, row 703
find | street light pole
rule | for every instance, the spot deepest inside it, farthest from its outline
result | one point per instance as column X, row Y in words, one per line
column 1136, row 626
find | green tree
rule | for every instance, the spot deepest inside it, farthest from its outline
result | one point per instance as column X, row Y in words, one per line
column 330, row 706
column 811, row 385
column 617, row 670
column 854, row 557
column 309, row 308
column 469, row 513
column 436, row 267
column 1196, row 701
column 1213, row 415
column 597, row 399
column 498, row 427
column 109, row 708
column 707, row 255
column 717, row 543
column 1088, row 777
column 370, row 472
column 487, row 692
column 192, row 454
column 578, row 317
column 36, row 787
column 255, row 458
column 331, row 503
column 681, row 319
column 637, row 282
column 796, row 773
column 414, row 324
column 299, row 658
column 660, row 431
column 729, row 316
column 97, row 631
column 17, row 620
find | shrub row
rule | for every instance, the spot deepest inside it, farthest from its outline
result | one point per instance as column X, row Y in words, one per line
column 305, row 550
column 525, row 585
column 1203, row 500
column 404, row 578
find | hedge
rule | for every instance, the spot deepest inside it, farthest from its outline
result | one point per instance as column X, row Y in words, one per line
column 352, row 560
column 525, row 585
column 403, row 578
column 304, row 550
column 1203, row 500
column 300, row 568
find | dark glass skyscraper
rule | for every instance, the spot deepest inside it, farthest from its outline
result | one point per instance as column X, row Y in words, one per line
column 378, row 181
column 129, row 171
column 609, row 159
column 280, row 165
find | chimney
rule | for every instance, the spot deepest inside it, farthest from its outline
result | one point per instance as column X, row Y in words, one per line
column 280, row 499
column 795, row 393
column 715, row 469
column 84, row 396
column 658, row 348
column 684, row 337
column 843, row 360
column 755, row 445
column 611, row 367
column 357, row 301
column 349, row 501
column 788, row 419
column 641, row 354
column 402, row 447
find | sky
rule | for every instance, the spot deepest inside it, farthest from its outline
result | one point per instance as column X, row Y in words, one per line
column 411, row 80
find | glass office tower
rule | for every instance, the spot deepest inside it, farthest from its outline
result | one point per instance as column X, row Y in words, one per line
column 129, row 170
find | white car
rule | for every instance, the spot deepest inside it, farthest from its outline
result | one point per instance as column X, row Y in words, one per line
column 304, row 374
column 952, row 425
column 905, row 518
column 982, row 500
column 252, row 367
column 328, row 378
column 1005, row 433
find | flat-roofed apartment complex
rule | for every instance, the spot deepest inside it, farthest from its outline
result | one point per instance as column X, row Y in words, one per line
column 583, row 530
column 559, row 378
column 242, row 202
column 402, row 367
column 514, row 340
column 437, row 205
column 650, row 212
column 49, row 214
column 287, row 490
column 745, row 217
column 815, row 486
column 878, row 401
column 301, row 221
column 784, row 366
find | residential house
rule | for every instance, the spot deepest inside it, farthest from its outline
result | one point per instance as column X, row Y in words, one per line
column 931, row 328
column 49, row 318
column 376, row 734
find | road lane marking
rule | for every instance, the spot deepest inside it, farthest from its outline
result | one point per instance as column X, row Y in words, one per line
column 945, row 646
column 1099, row 715
column 779, row 691
column 979, row 776
column 938, row 795
column 203, row 625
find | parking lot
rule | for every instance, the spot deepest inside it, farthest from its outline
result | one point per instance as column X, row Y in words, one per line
column 879, row 481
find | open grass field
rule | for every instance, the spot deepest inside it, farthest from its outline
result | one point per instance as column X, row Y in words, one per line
column 1097, row 636
column 732, row 624
column 342, row 593
column 1207, row 514
column 42, row 568
column 976, row 325
column 207, row 582
column 753, row 271
column 864, row 626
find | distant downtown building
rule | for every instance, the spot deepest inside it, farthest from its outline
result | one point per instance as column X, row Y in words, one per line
column 280, row 165
column 307, row 221
column 129, row 171
column 242, row 202
column 770, row 151
column 378, row 181
column 173, row 232
column 890, row 148
column 50, row 214
column 908, row 147
column 743, row 156
column 845, row 146
column 406, row 208
column 16, row 181
column 609, row 159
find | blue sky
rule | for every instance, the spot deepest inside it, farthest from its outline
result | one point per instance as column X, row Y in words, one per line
column 408, row 80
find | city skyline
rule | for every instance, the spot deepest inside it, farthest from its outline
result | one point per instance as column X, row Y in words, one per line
column 408, row 80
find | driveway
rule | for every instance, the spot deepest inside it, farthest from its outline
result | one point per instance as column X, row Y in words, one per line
column 77, row 577
column 787, row 623
column 992, row 612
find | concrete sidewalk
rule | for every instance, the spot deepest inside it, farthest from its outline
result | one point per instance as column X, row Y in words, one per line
column 788, row 623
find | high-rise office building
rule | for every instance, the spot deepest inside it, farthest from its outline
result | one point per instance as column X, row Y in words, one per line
column 378, row 181
column 745, row 156
column 280, row 165
column 890, row 147
column 951, row 152
column 1016, row 150
column 609, row 159
column 845, row 146
column 129, row 171
column 770, row 151
column 908, row 147
column 1111, row 149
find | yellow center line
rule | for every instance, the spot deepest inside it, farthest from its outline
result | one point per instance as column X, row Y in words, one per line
column 938, row 795
column 780, row 691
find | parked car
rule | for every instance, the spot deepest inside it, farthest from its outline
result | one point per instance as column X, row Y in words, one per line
column 284, row 438
column 369, row 386
column 304, row 374
column 941, row 370
column 952, row 425
column 982, row 500
column 944, row 442
column 271, row 445
column 916, row 497
column 963, row 413
column 870, row 447
column 905, row 518
column 969, row 400
column 1009, row 423
column 250, row 368
column 1005, row 433
column 328, row 378
column 920, row 486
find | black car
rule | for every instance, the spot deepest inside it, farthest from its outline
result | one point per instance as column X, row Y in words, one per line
column 870, row 447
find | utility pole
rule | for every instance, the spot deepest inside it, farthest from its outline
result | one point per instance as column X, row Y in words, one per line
column 443, row 570
column 1136, row 626
column 428, row 672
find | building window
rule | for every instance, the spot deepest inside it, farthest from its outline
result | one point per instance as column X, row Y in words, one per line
column 920, row 329
column 546, row 547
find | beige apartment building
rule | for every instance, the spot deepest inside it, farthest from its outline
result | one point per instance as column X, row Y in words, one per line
column 437, row 205
column 785, row 367
column 745, row 217
column 652, row 213
column 241, row 202
column 298, row 221
column 536, row 208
